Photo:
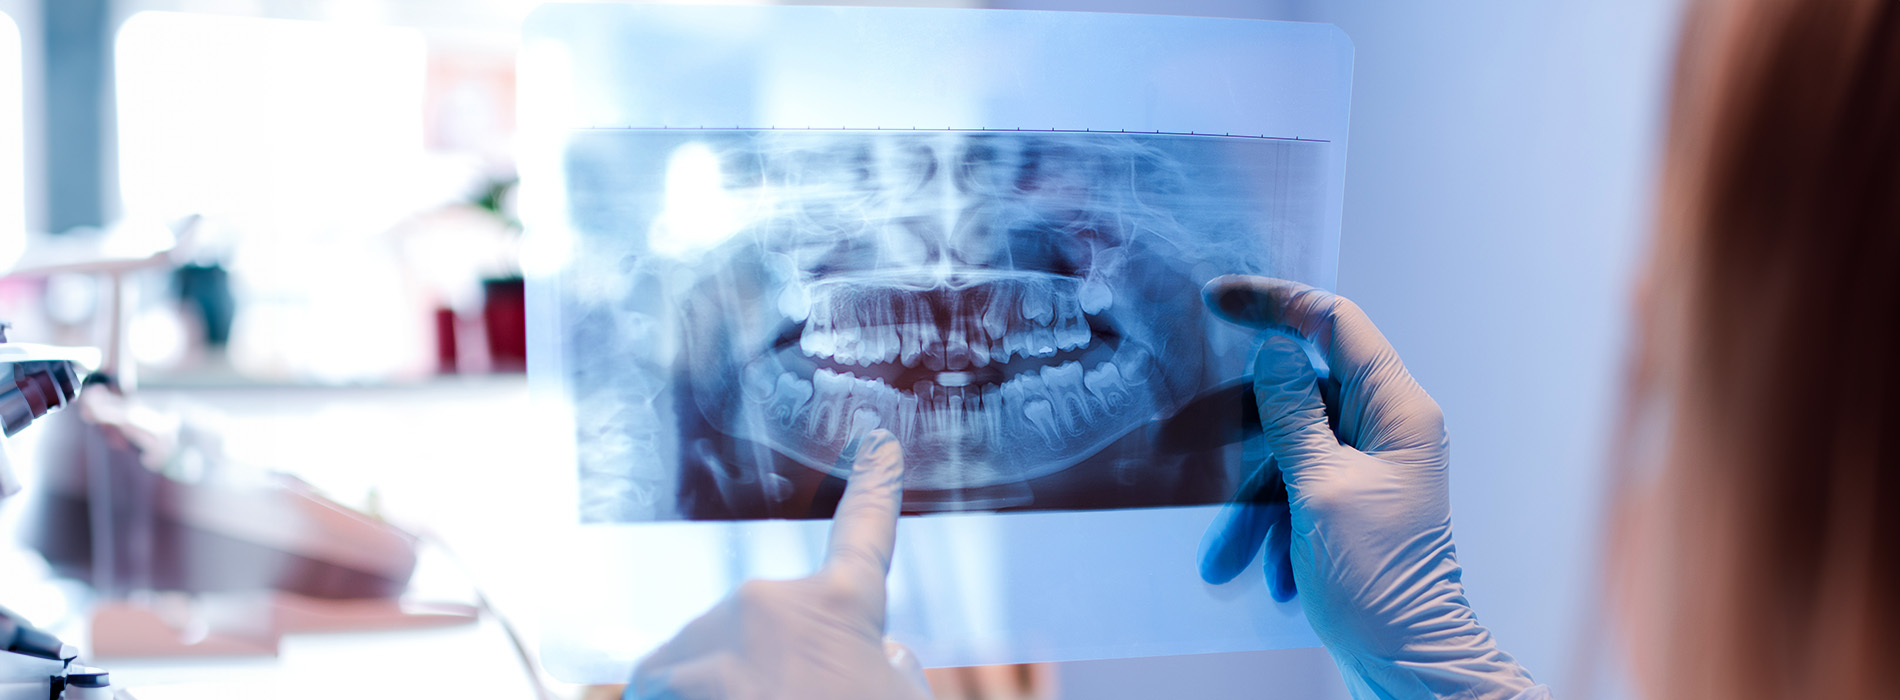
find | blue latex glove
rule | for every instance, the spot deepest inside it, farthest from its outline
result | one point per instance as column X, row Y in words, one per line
column 1363, row 532
column 814, row 638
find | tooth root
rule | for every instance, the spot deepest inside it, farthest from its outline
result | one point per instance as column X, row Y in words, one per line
column 996, row 314
column 954, row 414
column 909, row 335
column 1095, row 296
column 1105, row 382
column 1036, row 304
column 956, row 343
column 789, row 400
column 887, row 333
column 993, row 412
column 1040, row 415
column 906, row 418
column 929, row 338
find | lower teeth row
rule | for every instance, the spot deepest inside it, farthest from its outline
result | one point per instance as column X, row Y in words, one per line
column 1053, row 406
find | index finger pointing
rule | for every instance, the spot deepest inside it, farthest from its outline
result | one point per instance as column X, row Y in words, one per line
column 864, row 530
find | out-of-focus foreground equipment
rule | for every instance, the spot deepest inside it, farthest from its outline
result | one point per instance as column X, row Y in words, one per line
column 41, row 379
column 190, row 554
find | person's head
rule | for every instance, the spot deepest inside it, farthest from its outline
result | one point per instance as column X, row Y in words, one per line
column 1757, row 543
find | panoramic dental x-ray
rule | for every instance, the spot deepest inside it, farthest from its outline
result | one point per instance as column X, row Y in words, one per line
column 1020, row 308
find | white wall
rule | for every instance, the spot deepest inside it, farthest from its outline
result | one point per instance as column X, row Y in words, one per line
column 1496, row 204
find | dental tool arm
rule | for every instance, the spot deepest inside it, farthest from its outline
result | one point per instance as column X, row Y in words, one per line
column 815, row 638
column 1362, row 531
column 36, row 380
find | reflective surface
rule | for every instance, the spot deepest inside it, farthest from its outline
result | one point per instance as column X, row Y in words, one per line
column 720, row 196
column 1021, row 309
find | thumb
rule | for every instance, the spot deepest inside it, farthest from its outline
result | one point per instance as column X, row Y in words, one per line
column 1292, row 415
column 864, row 530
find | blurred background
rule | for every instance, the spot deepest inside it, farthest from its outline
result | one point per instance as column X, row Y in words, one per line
column 290, row 224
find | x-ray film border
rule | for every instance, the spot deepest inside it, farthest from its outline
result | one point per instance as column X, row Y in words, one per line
column 954, row 129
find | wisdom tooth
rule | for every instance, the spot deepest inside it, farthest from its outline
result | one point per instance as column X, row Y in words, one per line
column 1095, row 296
column 1134, row 361
column 759, row 381
column 794, row 302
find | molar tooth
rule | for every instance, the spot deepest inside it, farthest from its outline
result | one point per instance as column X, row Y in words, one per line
column 1105, row 382
column 1036, row 304
column 848, row 330
column 820, row 307
column 1042, row 341
column 789, row 399
column 1072, row 401
column 1095, row 296
column 831, row 399
column 1041, row 416
column 884, row 346
column 817, row 343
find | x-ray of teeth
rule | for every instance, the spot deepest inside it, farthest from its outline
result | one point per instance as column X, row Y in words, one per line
column 754, row 234
column 1020, row 308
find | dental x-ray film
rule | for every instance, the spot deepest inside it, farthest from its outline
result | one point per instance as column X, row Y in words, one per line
column 756, row 234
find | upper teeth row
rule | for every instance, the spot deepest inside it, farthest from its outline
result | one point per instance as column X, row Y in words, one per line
column 1030, row 321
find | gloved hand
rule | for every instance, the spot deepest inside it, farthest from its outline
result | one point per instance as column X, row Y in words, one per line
column 1363, row 531
column 817, row 638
